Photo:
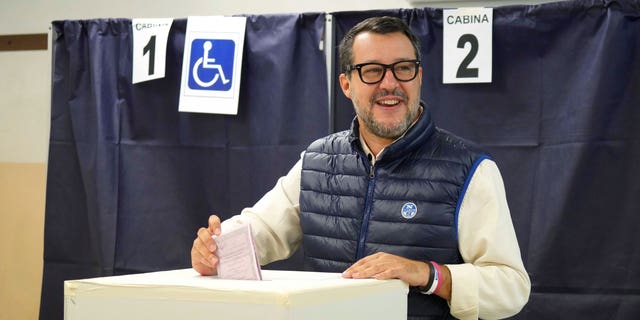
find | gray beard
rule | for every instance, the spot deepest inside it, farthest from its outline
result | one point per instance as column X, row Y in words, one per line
column 388, row 132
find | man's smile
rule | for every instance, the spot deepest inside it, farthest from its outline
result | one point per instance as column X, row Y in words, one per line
column 388, row 102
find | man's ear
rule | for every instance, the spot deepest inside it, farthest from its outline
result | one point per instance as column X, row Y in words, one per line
column 344, row 84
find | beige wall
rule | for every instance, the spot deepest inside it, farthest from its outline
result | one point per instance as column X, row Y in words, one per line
column 22, row 189
column 25, row 80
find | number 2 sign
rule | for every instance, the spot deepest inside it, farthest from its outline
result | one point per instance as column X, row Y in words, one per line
column 467, row 45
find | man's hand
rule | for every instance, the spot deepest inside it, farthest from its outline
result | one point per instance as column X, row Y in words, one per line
column 203, row 252
column 388, row 266
column 384, row 266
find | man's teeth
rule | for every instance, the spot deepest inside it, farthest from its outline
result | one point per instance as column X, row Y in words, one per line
column 389, row 102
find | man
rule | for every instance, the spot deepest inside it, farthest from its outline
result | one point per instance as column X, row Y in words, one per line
column 394, row 197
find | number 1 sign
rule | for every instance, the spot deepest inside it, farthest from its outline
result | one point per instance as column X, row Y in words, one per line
column 467, row 45
column 149, row 48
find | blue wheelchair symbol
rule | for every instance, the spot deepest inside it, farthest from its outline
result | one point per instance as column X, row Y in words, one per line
column 211, row 64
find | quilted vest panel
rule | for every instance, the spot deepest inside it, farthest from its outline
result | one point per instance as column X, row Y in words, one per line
column 404, row 205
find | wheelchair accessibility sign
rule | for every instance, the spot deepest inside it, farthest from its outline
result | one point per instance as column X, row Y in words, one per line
column 211, row 65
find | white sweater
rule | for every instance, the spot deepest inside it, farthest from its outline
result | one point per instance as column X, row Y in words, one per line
column 491, row 284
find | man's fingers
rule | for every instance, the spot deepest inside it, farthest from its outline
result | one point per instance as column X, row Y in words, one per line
column 380, row 266
column 206, row 241
column 203, row 269
column 204, row 249
column 364, row 268
column 214, row 225
column 203, row 258
column 209, row 262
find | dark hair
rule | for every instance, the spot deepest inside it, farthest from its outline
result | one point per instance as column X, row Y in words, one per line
column 379, row 25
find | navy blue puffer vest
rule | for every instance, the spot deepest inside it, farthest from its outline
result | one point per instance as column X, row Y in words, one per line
column 405, row 205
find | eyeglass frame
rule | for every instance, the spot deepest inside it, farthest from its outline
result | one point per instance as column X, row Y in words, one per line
column 391, row 66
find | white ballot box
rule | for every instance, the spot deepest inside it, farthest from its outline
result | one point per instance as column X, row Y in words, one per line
column 184, row 294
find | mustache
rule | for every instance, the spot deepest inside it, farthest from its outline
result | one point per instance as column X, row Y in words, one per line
column 384, row 93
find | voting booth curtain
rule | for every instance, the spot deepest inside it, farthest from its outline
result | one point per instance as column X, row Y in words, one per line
column 561, row 118
column 131, row 179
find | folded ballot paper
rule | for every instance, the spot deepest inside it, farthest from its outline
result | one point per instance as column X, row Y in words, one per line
column 237, row 254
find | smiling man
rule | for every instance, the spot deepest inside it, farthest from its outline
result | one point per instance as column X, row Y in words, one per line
column 393, row 197
column 386, row 103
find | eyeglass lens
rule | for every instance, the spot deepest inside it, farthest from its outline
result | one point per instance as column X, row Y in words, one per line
column 374, row 72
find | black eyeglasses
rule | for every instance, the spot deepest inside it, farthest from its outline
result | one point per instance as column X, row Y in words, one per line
column 372, row 72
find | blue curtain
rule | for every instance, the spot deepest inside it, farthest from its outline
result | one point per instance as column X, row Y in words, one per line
column 130, row 179
column 561, row 119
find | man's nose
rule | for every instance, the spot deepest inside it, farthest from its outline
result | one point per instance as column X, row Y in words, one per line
column 389, row 80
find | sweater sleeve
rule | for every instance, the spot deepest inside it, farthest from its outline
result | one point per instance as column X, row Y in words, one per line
column 275, row 219
column 492, row 283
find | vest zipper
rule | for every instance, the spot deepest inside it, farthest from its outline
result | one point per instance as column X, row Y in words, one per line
column 362, row 240
column 371, row 174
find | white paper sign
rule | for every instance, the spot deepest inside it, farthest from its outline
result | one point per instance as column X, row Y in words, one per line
column 149, row 48
column 467, row 45
column 212, row 64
